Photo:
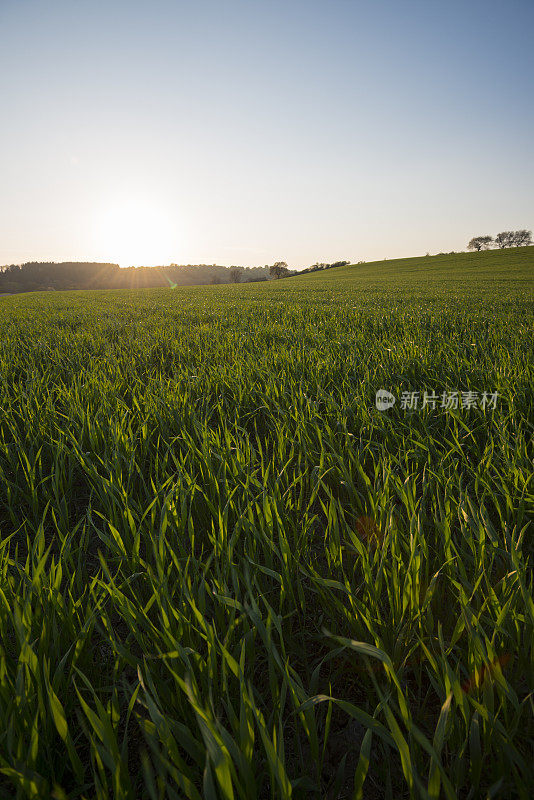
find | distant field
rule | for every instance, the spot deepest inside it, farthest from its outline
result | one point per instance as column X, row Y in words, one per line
column 227, row 574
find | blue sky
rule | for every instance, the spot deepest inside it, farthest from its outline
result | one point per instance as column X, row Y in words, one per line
column 248, row 132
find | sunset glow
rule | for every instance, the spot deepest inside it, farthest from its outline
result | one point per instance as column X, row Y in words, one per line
column 136, row 230
column 303, row 132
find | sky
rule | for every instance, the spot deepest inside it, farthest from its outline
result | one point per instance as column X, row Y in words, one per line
column 252, row 131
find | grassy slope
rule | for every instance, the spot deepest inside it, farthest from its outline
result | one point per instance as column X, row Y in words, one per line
column 492, row 265
column 197, row 496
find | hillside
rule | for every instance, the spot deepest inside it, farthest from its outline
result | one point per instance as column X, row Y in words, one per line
column 502, row 266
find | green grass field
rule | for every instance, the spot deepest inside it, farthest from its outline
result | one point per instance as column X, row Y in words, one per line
column 226, row 574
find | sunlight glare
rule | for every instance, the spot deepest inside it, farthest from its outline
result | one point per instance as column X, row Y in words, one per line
column 133, row 231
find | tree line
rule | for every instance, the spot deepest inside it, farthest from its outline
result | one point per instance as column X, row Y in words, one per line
column 280, row 269
column 521, row 238
column 37, row 276
column 277, row 270
column 319, row 266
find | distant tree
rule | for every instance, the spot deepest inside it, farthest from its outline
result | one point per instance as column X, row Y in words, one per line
column 522, row 238
column 42, row 276
column 235, row 274
column 318, row 266
column 279, row 270
column 480, row 243
column 505, row 239
column 340, row 264
column 215, row 280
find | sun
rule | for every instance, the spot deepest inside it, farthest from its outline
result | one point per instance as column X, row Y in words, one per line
column 135, row 231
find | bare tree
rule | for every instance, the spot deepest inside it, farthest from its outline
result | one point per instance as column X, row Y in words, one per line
column 279, row 270
column 480, row 243
column 505, row 239
column 235, row 274
column 522, row 238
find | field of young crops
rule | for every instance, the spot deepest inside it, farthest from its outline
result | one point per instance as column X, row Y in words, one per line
column 226, row 574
